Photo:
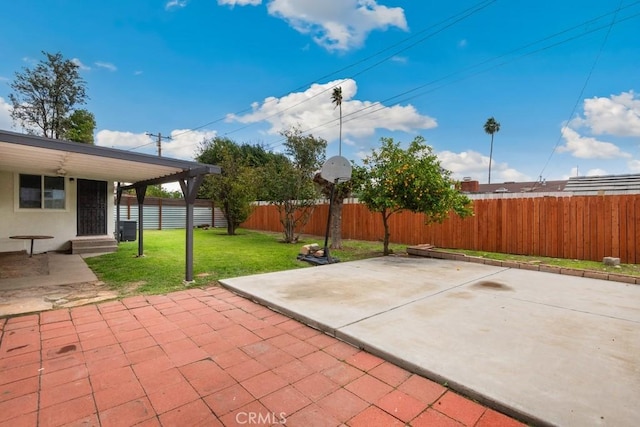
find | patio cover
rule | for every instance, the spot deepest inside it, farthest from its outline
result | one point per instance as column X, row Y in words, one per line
column 34, row 154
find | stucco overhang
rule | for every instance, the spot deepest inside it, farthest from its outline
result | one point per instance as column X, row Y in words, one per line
column 33, row 154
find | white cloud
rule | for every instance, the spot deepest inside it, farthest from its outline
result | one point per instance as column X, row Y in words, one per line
column 463, row 43
column 122, row 140
column 137, row 73
column 107, row 65
column 618, row 115
column 634, row 166
column 239, row 2
column 597, row 172
column 475, row 165
column 182, row 145
column 400, row 59
column 175, row 3
column 591, row 172
column 336, row 25
column 184, row 142
column 588, row 147
column 80, row 64
column 5, row 115
column 314, row 111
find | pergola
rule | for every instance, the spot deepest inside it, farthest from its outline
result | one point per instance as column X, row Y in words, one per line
column 33, row 154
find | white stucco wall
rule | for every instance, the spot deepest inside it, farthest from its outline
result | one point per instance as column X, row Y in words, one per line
column 61, row 224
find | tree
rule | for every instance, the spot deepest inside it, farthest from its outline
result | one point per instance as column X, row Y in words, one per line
column 336, row 98
column 79, row 127
column 288, row 180
column 45, row 95
column 341, row 191
column 491, row 127
column 393, row 179
column 158, row 191
column 234, row 189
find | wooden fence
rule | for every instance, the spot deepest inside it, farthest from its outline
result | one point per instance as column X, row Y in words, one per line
column 572, row 227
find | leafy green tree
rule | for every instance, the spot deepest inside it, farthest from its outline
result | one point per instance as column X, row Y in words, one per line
column 234, row 189
column 80, row 126
column 393, row 179
column 158, row 191
column 45, row 96
column 491, row 126
column 288, row 180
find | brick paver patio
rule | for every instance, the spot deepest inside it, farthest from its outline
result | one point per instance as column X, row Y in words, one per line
column 206, row 357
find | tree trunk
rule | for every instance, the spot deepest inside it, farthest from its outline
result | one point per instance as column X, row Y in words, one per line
column 231, row 230
column 226, row 210
column 289, row 223
column 336, row 223
column 387, row 233
column 490, row 157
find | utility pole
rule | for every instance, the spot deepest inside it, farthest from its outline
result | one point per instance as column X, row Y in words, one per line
column 159, row 142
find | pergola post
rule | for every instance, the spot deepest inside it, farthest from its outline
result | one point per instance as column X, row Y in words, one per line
column 190, row 181
column 190, row 187
column 118, row 200
column 141, row 191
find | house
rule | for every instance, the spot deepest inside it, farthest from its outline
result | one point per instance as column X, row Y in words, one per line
column 65, row 189
column 605, row 184
column 577, row 186
column 512, row 188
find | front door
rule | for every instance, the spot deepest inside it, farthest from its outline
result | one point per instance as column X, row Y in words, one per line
column 92, row 208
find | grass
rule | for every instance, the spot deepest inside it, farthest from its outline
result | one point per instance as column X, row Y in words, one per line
column 216, row 256
column 628, row 269
column 219, row 256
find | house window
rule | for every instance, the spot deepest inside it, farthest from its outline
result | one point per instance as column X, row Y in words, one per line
column 41, row 192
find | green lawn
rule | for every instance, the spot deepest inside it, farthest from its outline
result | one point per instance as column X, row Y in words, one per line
column 216, row 256
column 219, row 256
column 628, row 269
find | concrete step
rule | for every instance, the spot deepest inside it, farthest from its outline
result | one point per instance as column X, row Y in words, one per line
column 97, row 245
column 94, row 250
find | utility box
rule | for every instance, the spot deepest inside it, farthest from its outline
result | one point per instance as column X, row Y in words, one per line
column 127, row 230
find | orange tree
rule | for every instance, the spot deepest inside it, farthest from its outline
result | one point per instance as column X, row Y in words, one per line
column 393, row 179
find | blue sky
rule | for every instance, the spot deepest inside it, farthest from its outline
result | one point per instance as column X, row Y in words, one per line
column 560, row 76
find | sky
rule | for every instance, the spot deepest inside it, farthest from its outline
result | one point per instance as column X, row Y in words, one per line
column 561, row 77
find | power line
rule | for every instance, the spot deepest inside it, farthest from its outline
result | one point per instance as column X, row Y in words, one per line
column 583, row 89
column 354, row 115
column 416, row 90
column 455, row 19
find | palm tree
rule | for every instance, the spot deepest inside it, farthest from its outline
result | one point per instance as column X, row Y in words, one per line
column 491, row 127
column 336, row 98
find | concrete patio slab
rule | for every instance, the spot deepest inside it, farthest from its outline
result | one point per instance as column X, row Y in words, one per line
column 354, row 291
column 550, row 349
column 64, row 269
column 66, row 281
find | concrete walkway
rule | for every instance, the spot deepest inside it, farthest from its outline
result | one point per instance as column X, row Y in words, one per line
column 550, row 349
column 206, row 357
column 68, row 282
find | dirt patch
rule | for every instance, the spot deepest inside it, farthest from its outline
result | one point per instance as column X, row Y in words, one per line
column 14, row 265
